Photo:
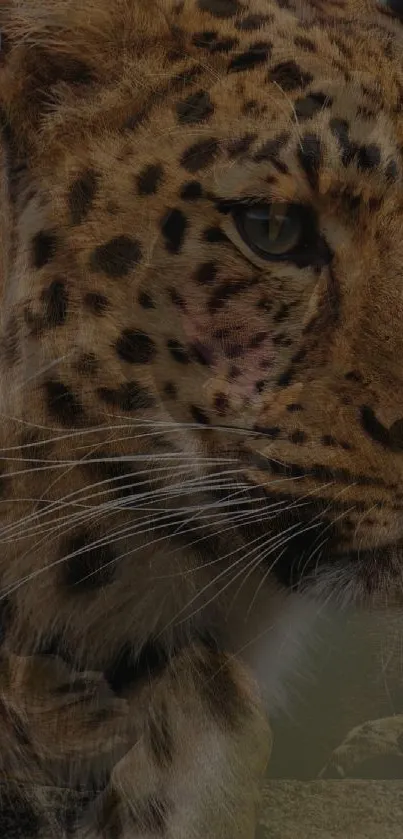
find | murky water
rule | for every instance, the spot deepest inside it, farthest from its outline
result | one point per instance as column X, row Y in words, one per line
column 354, row 674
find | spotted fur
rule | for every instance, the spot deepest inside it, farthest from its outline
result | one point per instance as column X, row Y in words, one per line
column 189, row 432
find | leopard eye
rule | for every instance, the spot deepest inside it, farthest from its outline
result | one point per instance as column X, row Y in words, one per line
column 273, row 231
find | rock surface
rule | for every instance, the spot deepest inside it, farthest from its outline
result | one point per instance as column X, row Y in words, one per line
column 347, row 809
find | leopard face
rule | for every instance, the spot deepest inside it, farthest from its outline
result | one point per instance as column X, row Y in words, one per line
column 202, row 284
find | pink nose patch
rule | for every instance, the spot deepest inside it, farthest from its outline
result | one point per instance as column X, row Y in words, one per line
column 237, row 347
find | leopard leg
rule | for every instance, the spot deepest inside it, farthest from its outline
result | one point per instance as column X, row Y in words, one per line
column 195, row 769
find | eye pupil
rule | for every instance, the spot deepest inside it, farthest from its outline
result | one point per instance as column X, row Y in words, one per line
column 273, row 231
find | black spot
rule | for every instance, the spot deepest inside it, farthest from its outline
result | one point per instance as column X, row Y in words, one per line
column 130, row 396
column 224, row 45
column 129, row 666
column 55, row 300
column 214, row 235
column 340, row 129
column 252, row 22
column 204, row 39
column 202, row 354
column 232, row 350
column 304, row 43
column 81, row 195
column 252, row 108
column 289, row 76
column 391, row 171
column 210, row 41
column 368, row 157
column 43, row 248
column 17, row 817
column 206, row 273
column 199, row 416
column 220, row 8
column 396, row 435
column 146, row 301
column 135, row 347
column 200, row 155
column 177, row 299
column 97, row 302
column 271, row 148
column 150, row 179
column 221, row 404
column 282, row 313
column 117, row 257
column 264, row 304
column 11, row 343
column 342, row 46
column 329, row 440
column 191, row 191
column 90, row 568
column 282, row 340
column 224, row 292
column 298, row 437
column 86, row 364
column 170, row 390
column 173, row 227
column 308, row 106
column 373, row 427
column 6, row 617
column 178, row 351
column 350, row 150
column 256, row 54
column 241, row 145
column 62, row 404
column 353, row 376
column 286, row 378
column 72, row 71
column 196, row 108
column 257, row 339
column 4, row 46
column 310, row 158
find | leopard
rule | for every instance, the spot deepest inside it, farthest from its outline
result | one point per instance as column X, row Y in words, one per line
column 201, row 390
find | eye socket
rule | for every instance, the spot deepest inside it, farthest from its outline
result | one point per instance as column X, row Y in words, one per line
column 274, row 231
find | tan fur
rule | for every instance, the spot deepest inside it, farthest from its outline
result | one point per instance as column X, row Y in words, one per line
column 149, row 356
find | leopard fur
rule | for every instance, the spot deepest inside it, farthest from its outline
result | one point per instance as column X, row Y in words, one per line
column 191, row 433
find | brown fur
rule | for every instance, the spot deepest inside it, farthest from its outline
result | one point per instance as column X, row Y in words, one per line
column 149, row 357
